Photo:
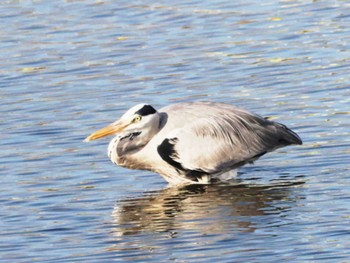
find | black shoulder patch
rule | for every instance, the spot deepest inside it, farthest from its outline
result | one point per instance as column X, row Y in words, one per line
column 167, row 152
column 146, row 110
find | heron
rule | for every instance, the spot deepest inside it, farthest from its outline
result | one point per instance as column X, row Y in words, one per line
column 192, row 142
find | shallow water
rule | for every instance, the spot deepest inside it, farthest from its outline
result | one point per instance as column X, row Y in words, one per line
column 71, row 67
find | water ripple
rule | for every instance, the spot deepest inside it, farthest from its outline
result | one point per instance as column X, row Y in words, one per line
column 74, row 66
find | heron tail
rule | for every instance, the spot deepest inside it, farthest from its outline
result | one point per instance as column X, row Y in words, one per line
column 287, row 136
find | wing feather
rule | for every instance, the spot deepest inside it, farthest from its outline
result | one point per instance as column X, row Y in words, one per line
column 222, row 139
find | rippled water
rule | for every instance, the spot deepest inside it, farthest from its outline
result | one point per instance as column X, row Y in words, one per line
column 70, row 67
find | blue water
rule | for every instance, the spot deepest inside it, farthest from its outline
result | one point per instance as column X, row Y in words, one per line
column 71, row 67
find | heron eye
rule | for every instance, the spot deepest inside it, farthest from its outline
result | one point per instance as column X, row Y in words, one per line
column 137, row 118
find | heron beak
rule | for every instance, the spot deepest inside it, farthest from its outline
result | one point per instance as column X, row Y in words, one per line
column 113, row 128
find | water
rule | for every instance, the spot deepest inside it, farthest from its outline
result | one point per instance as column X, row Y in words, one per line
column 70, row 67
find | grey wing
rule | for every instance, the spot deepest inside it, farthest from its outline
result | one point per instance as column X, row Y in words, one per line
column 223, row 142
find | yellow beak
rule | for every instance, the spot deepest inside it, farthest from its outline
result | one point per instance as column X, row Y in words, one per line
column 113, row 128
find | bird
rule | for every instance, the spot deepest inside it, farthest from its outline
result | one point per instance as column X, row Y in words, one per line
column 192, row 142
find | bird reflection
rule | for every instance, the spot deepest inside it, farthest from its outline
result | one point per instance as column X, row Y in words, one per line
column 207, row 209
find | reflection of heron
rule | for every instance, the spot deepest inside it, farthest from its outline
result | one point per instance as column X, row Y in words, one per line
column 215, row 209
column 192, row 142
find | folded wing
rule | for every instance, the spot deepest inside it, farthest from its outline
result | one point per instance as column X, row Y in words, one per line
column 221, row 142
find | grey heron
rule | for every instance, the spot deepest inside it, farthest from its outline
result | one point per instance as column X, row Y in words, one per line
column 193, row 142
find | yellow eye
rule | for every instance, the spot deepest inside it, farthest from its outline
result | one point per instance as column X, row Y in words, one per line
column 137, row 118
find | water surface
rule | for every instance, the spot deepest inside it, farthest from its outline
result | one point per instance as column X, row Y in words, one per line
column 71, row 67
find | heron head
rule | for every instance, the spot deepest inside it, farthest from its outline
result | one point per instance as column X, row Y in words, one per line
column 142, row 118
